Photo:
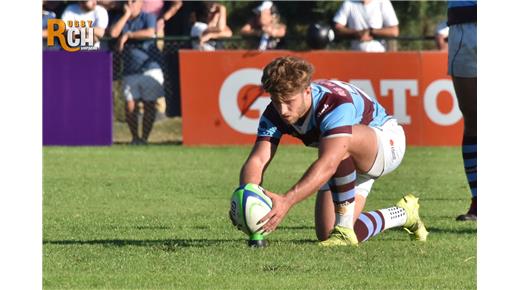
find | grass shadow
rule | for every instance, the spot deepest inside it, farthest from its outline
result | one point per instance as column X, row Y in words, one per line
column 169, row 245
column 443, row 217
column 296, row 228
column 299, row 242
column 422, row 199
column 154, row 143
column 166, row 244
column 153, row 228
column 141, row 227
column 464, row 231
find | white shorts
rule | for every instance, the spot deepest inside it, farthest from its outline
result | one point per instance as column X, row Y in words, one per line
column 462, row 50
column 147, row 86
column 391, row 144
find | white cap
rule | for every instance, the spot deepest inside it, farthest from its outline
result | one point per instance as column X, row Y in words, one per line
column 265, row 5
column 198, row 28
column 443, row 29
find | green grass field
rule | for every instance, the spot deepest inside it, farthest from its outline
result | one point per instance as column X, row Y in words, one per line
column 156, row 217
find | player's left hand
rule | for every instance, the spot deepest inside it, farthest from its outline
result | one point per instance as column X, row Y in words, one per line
column 281, row 206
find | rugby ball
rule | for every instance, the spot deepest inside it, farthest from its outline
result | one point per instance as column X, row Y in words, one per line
column 249, row 204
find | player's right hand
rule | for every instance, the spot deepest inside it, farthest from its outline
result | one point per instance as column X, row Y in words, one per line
column 281, row 206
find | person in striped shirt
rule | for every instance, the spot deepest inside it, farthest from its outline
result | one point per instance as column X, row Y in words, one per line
column 357, row 143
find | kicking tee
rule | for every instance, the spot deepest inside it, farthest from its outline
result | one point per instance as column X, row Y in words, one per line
column 336, row 107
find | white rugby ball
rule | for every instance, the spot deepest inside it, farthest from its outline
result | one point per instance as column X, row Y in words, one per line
column 249, row 204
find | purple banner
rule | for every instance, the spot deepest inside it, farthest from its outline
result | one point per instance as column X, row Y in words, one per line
column 77, row 98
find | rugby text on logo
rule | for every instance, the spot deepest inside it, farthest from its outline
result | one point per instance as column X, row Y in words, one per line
column 79, row 34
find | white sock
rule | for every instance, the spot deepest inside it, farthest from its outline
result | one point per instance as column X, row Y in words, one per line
column 345, row 214
column 394, row 217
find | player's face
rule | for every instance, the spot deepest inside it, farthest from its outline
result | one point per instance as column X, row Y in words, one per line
column 293, row 107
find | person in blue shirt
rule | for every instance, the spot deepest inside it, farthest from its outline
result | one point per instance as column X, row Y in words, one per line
column 357, row 143
column 462, row 66
column 142, row 74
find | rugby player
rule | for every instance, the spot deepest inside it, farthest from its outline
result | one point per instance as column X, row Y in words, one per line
column 357, row 143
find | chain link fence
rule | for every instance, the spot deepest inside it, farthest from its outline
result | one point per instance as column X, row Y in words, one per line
column 131, row 75
column 149, row 70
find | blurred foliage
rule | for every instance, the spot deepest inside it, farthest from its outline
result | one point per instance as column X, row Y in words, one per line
column 419, row 18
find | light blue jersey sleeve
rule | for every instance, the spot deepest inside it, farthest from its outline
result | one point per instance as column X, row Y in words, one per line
column 339, row 121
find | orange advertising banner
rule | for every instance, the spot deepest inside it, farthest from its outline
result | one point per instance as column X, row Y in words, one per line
column 222, row 99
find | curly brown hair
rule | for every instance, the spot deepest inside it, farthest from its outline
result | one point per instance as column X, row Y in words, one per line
column 286, row 76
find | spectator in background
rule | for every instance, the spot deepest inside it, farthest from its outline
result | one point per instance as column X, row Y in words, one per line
column 366, row 20
column 142, row 74
column 55, row 6
column 180, row 23
column 462, row 66
column 153, row 7
column 114, row 9
column 169, row 11
column 162, row 12
column 88, row 10
column 109, row 4
column 266, row 25
column 441, row 36
column 210, row 25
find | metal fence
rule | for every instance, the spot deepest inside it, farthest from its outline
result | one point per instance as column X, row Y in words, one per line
column 167, row 55
column 160, row 56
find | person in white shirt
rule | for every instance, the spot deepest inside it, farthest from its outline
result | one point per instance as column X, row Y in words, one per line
column 266, row 24
column 88, row 10
column 210, row 26
column 365, row 20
